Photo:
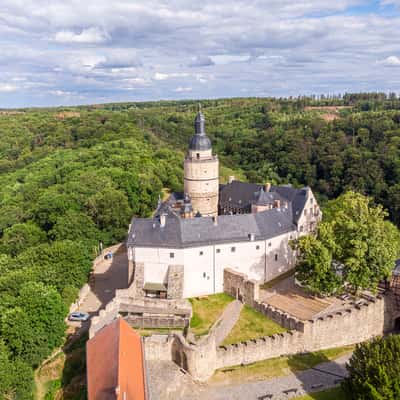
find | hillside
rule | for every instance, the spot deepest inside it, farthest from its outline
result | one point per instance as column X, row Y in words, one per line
column 72, row 177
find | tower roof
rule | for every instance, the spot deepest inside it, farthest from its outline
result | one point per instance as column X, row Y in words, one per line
column 200, row 141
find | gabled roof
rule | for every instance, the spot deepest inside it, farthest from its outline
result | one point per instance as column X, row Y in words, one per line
column 242, row 194
column 115, row 365
column 181, row 233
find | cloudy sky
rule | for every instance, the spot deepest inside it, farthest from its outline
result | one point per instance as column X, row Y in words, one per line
column 90, row 51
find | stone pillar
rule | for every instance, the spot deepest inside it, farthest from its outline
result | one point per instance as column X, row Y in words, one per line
column 175, row 282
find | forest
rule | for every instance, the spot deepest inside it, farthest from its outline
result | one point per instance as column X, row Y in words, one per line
column 73, row 177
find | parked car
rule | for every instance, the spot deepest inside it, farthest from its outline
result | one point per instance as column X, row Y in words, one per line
column 78, row 316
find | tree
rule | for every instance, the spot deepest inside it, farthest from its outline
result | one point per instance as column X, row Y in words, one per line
column 366, row 244
column 111, row 211
column 36, row 324
column 16, row 377
column 315, row 268
column 58, row 264
column 354, row 245
column 374, row 370
column 75, row 226
column 21, row 236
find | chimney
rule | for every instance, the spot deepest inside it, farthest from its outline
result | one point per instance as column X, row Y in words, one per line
column 231, row 178
column 163, row 218
column 277, row 203
column 215, row 220
column 267, row 187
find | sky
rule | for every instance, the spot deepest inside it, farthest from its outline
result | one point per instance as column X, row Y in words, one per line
column 97, row 51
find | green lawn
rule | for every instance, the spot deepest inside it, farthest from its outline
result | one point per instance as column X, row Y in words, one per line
column 276, row 366
column 331, row 394
column 206, row 310
column 251, row 325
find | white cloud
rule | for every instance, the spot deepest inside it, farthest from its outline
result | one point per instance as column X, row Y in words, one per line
column 392, row 61
column 90, row 35
column 181, row 89
column 6, row 88
column 151, row 49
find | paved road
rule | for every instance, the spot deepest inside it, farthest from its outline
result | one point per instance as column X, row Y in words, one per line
column 321, row 377
column 109, row 275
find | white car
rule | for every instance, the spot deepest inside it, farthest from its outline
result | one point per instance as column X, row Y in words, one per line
column 78, row 316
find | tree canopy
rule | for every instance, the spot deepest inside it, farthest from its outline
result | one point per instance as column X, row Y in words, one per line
column 355, row 245
column 374, row 370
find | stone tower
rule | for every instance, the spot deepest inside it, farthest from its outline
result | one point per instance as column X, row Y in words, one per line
column 201, row 172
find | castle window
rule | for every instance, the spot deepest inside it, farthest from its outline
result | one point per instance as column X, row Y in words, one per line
column 257, row 247
column 171, row 255
column 276, row 257
column 218, row 250
column 204, row 274
column 269, row 244
column 198, row 155
column 305, row 212
column 201, row 253
column 311, row 200
column 301, row 228
column 233, row 249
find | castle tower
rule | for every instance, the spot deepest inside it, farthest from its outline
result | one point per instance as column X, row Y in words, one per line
column 201, row 171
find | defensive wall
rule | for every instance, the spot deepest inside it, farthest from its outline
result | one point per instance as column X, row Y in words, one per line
column 359, row 322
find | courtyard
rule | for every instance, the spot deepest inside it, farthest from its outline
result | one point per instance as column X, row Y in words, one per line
column 290, row 298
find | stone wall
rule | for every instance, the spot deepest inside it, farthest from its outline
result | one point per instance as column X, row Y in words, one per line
column 355, row 325
column 136, row 288
column 143, row 312
column 237, row 285
column 280, row 317
column 175, row 282
column 85, row 290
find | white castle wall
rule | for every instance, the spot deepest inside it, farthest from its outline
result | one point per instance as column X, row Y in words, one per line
column 204, row 265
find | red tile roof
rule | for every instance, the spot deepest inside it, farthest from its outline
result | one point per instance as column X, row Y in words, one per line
column 115, row 365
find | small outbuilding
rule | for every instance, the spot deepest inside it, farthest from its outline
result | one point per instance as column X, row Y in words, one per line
column 115, row 364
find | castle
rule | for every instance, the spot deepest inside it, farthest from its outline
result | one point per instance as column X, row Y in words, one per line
column 183, row 250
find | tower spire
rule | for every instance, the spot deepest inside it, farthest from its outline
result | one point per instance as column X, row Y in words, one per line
column 199, row 122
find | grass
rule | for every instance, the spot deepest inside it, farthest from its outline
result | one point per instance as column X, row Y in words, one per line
column 252, row 325
column 276, row 366
column 336, row 393
column 206, row 310
column 64, row 374
column 278, row 279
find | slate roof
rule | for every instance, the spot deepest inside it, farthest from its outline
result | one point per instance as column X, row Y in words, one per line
column 181, row 233
column 242, row 194
column 200, row 141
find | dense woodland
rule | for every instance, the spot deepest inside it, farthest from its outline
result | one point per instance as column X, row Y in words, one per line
column 70, row 178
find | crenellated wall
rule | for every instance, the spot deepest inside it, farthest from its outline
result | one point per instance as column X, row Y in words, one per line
column 355, row 325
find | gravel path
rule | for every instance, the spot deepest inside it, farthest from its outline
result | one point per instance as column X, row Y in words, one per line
column 227, row 321
column 321, row 377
